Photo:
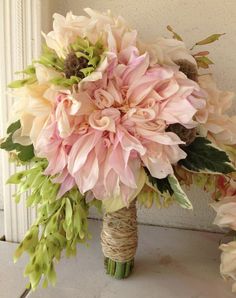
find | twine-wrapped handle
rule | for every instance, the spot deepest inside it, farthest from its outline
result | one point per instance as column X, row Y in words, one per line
column 119, row 239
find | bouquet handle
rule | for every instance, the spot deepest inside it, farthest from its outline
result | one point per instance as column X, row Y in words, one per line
column 119, row 239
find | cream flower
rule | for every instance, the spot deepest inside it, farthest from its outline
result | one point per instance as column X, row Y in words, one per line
column 216, row 124
column 166, row 51
column 226, row 210
column 33, row 107
column 97, row 26
column 65, row 31
column 228, row 262
column 45, row 74
column 33, row 104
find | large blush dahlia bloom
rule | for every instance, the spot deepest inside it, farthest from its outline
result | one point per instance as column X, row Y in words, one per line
column 100, row 136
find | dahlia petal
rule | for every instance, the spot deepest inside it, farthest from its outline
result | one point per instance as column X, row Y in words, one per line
column 129, row 38
column 166, row 138
column 158, row 166
column 136, row 68
column 80, row 150
column 129, row 143
column 57, row 162
column 103, row 123
column 177, row 110
column 117, row 162
column 87, row 177
column 141, row 87
column 66, row 185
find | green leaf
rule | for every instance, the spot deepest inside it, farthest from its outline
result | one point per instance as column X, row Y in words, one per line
column 20, row 83
column 87, row 71
column 50, row 59
column 180, row 196
column 60, row 224
column 8, row 145
column 94, row 61
column 62, row 81
column 17, row 83
column 26, row 152
column 175, row 35
column 52, row 275
column 69, row 212
column 31, row 198
column 16, row 178
column 77, row 221
column 81, row 54
column 204, row 157
column 80, row 44
column 209, row 39
column 29, row 241
column 13, row 127
column 162, row 185
column 30, row 69
column 170, row 185
column 203, row 62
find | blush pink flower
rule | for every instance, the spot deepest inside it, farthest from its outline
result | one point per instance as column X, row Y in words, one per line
column 117, row 125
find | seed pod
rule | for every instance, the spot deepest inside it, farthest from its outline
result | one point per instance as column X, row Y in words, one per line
column 186, row 135
column 73, row 65
column 188, row 68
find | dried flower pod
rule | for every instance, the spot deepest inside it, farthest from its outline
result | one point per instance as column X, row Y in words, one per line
column 73, row 65
column 188, row 68
column 186, row 135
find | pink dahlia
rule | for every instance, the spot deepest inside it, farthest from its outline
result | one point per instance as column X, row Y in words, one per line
column 102, row 136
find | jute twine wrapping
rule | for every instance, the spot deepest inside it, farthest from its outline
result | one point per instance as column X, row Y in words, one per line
column 119, row 237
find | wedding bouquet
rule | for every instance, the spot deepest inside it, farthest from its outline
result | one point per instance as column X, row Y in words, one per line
column 103, row 119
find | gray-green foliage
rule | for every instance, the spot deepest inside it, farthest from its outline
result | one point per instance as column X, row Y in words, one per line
column 204, row 157
column 180, row 196
column 23, row 153
column 60, row 225
column 169, row 188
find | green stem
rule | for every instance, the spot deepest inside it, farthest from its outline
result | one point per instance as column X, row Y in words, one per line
column 118, row 270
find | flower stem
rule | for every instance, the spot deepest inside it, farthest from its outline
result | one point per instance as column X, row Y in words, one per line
column 118, row 270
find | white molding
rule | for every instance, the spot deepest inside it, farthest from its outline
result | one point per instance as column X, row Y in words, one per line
column 20, row 37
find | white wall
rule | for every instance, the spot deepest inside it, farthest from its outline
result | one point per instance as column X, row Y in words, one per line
column 20, row 27
column 194, row 20
column 1, row 191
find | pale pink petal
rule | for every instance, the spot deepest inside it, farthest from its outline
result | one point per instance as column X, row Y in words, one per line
column 117, row 162
column 80, row 150
column 87, row 176
column 136, row 69
column 66, row 185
